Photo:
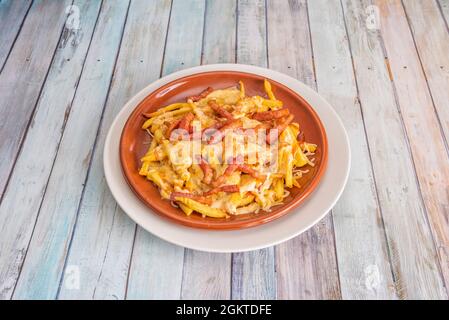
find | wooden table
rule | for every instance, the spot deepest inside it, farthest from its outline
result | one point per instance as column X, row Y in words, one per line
column 67, row 71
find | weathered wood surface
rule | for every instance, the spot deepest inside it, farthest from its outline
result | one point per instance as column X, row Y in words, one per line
column 23, row 75
column 359, row 238
column 32, row 169
column 387, row 237
column 103, row 240
column 431, row 163
column 42, row 268
column 12, row 15
column 431, row 38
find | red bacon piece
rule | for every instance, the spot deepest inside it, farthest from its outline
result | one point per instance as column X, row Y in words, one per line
column 227, row 189
column 186, row 120
column 270, row 115
column 202, row 95
column 280, row 127
column 220, row 110
column 173, row 125
column 207, row 170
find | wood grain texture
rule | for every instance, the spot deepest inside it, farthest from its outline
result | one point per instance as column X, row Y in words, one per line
column 360, row 238
column 444, row 6
column 306, row 266
column 208, row 275
column 23, row 75
column 422, row 272
column 398, row 191
column 32, row 169
column 253, row 273
column 432, row 41
column 12, row 15
column 43, row 265
column 103, row 239
column 157, row 266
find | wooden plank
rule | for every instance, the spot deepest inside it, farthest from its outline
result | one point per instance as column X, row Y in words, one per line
column 27, row 183
column 306, row 266
column 220, row 32
column 431, row 162
column 444, row 5
column 253, row 273
column 156, row 266
column 432, row 41
column 104, row 235
column 208, row 275
column 12, row 15
column 23, row 75
column 42, row 269
column 360, row 239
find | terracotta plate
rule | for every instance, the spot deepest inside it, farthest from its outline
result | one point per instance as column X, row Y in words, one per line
column 134, row 143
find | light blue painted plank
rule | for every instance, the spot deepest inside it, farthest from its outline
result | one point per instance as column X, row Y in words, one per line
column 156, row 267
column 23, row 76
column 103, row 239
column 27, row 183
column 42, row 268
column 12, row 14
column 253, row 272
column 208, row 275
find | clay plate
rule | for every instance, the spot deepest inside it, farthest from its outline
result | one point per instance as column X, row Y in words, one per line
column 134, row 144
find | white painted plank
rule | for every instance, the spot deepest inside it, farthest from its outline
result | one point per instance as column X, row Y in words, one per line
column 27, row 184
column 399, row 194
column 253, row 273
column 104, row 235
column 306, row 266
column 208, row 275
column 432, row 41
column 156, row 266
column 422, row 275
column 44, row 262
column 12, row 15
column 23, row 75
column 360, row 238
column 444, row 5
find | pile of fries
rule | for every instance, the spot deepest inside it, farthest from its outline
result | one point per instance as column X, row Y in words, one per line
column 222, row 153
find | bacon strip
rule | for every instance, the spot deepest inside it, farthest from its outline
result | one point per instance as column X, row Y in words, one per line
column 253, row 173
column 270, row 115
column 186, row 120
column 201, row 199
column 220, row 110
column 280, row 127
column 230, row 124
column 227, row 188
column 229, row 170
column 202, row 95
column 207, row 170
column 173, row 125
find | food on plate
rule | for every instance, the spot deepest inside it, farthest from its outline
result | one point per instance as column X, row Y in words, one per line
column 223, row 153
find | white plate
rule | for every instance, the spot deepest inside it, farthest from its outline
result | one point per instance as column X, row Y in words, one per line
column 299, row 220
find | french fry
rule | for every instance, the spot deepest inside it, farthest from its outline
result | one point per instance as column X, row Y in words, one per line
column 267, row 87
column 202, row 208
column 187, row 210
column 170, row 107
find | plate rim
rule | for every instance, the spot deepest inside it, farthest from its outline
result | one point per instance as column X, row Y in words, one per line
column 191, row 241
column 236, row 225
